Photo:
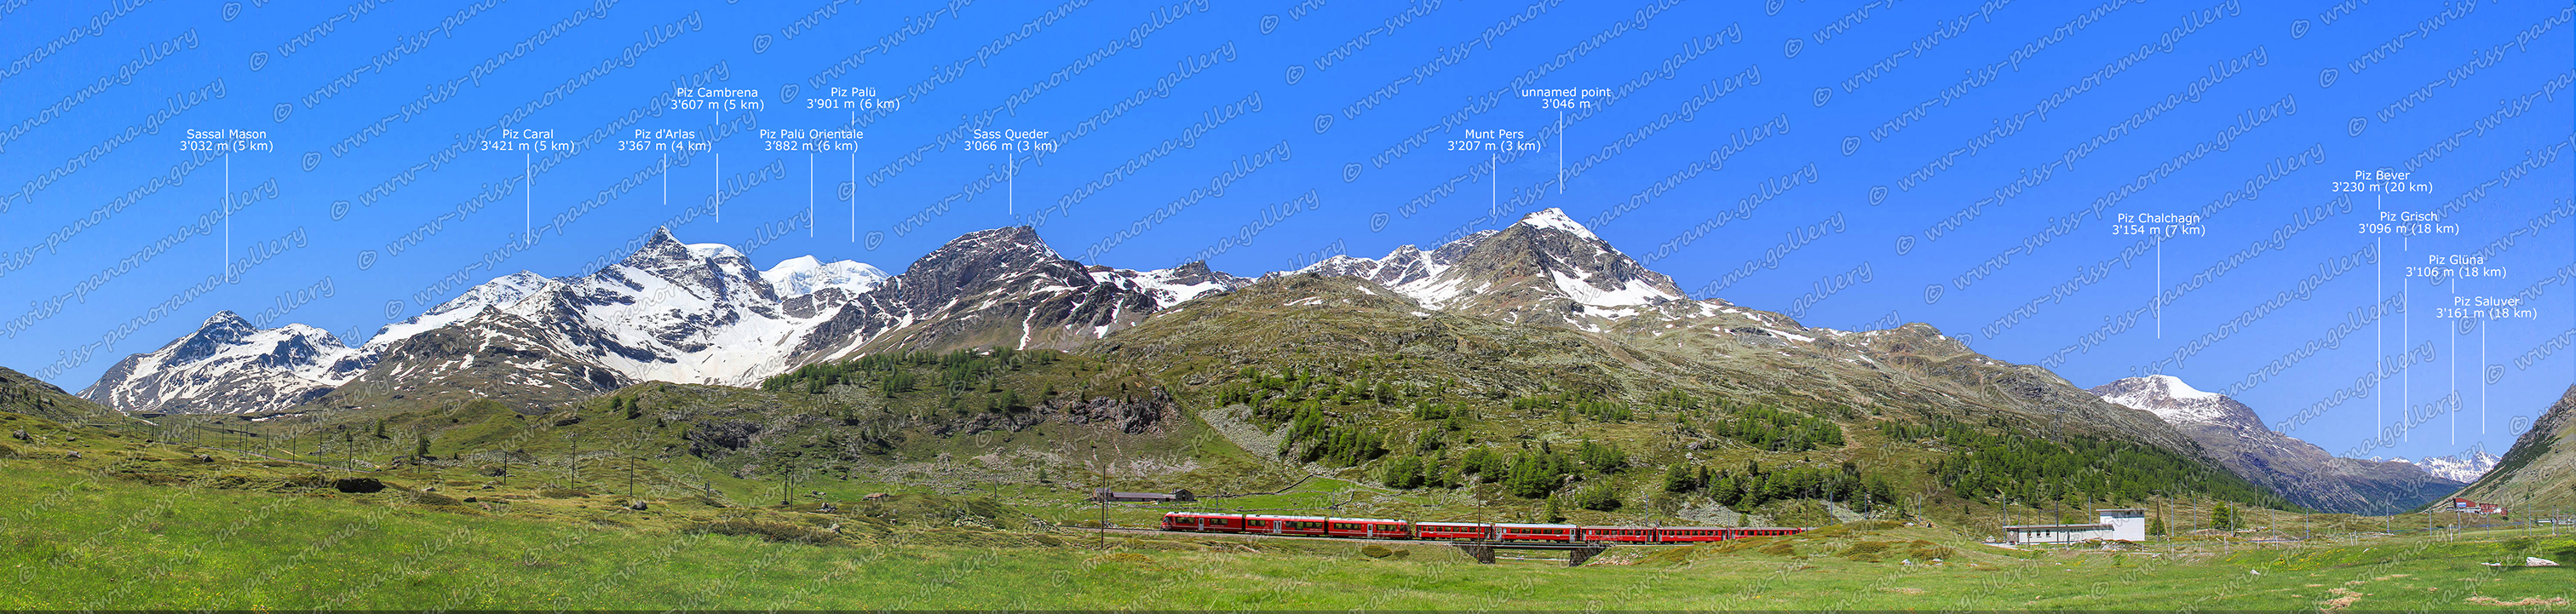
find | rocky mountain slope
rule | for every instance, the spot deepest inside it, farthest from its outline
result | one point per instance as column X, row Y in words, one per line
column 1544, row 314
column 27, row 395
column 2301, row 471
column 2538, row 475
column 1001, row 288
column 1545, row 269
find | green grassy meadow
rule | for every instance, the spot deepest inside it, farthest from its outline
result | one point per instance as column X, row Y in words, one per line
column 87, row 534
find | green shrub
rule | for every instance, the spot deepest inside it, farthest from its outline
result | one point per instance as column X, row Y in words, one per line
column 1599, row 497
column 772, row 531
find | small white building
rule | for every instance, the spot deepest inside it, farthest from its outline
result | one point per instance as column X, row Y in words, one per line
column 2114, row 524
column 2127, row 524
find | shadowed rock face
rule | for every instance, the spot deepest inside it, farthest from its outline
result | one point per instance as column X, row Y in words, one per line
column 2233, row 435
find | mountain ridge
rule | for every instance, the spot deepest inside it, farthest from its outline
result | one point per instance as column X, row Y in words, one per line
column 2305, row 473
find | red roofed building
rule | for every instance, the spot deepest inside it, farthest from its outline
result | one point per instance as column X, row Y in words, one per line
column 2465, row 506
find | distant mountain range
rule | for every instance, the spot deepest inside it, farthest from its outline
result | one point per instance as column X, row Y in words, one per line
column 670, row 312
column 2301, row 471
column 2463, row 467
column 1542, row 306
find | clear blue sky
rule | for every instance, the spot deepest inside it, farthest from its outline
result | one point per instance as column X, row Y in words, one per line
column 1884, row 124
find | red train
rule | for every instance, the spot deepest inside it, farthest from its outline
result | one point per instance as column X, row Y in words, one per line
column 1380, row 528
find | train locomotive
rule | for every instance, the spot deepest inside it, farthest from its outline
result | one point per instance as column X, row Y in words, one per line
column 1381, row 528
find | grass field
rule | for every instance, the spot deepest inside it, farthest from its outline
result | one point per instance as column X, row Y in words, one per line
column 81, row 536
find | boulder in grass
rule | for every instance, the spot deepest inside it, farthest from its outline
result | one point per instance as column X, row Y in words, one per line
column 2533, row 561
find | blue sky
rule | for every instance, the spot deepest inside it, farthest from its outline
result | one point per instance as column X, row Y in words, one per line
column 1713, row 132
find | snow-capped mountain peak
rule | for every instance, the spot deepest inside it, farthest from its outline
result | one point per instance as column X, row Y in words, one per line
column 2174, row 387
column 803, row 275
column 502, row 291
column 229, row 365
column 1174, row 285
column 2177, row 402
column 1554, row 218
column 1544, row 266
column 2463, row 467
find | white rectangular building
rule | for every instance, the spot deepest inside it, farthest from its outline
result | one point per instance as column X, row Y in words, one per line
column 2113, row 524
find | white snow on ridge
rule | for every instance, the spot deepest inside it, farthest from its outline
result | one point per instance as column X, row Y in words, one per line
column 501, row 292
column 804, row 275
column 1160, row 281
column 2169, row 398
column 1552, row 217
column 2181, row 391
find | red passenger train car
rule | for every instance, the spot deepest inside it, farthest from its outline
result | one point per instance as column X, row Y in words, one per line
column 1381, row 528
